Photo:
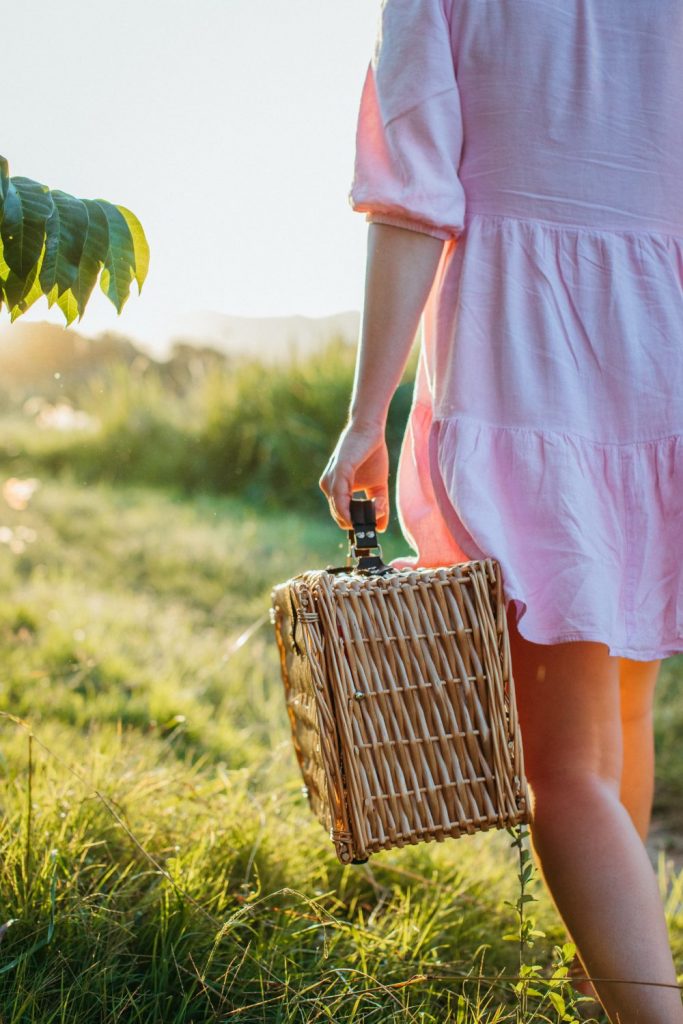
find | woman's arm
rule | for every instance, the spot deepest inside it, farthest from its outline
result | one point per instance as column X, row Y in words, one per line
column 400, row 269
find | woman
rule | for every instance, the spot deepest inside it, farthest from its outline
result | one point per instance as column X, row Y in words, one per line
column 520, row 164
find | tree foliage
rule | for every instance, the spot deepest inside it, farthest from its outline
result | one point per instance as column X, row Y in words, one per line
column 53, row 244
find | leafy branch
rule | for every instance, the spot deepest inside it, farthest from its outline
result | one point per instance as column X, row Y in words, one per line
column 56, row 245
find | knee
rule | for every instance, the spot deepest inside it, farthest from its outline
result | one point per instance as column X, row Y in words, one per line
column 567, row 793
column 575, row 771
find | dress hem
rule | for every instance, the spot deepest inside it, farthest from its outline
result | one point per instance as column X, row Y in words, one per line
column 632, row 653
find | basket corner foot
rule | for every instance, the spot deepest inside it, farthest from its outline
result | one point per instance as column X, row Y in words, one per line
column 345, row 847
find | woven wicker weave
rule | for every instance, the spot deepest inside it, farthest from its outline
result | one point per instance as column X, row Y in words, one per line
column 401, row 703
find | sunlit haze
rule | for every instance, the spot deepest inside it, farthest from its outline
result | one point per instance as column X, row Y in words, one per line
column 226, row 125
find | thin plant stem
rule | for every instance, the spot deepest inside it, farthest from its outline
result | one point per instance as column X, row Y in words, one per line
column 29, row 803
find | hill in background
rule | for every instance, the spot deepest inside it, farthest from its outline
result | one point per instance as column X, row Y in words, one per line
column 53, row 360
column 273, row 339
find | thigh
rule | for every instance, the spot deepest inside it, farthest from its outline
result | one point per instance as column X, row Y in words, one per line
column 568, row 699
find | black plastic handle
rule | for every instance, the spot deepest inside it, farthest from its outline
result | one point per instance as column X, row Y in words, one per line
column 363, row 534
column 363, row 538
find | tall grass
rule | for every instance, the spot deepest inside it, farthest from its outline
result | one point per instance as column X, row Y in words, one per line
column 235, row 426
column 159, row 860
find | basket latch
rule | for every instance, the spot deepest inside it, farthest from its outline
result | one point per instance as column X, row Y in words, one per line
column 363, row 537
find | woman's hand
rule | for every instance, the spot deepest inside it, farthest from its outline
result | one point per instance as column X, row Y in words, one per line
column 360, row 461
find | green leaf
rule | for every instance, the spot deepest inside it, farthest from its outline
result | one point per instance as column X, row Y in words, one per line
column 4, row 269
column 4, row 272
column 69, row 306
column 51, row 296
column 17, row 288
column 140, row 245
column 20, row 293
column 93, row 256
column 119, row 263
column 557, row 1001
column 66, row 230
column 26, row 210
column 54, row 244
column 31, row 294
column 4, row 181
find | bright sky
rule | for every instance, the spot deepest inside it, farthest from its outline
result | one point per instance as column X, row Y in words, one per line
column 227, row 126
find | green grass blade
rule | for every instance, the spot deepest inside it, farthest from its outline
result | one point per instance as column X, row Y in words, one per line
column 47, row 939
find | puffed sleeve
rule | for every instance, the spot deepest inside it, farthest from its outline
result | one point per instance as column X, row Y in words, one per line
column 409, row 131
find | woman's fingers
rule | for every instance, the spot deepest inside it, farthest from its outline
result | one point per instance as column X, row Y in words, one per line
column 337, row 488
column 340, row 504
column 360, row 461
column 381, row 496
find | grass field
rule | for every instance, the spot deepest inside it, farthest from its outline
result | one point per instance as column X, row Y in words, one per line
column 160, row 863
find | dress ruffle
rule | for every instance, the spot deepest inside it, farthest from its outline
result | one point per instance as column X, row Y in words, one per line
column 600, row 568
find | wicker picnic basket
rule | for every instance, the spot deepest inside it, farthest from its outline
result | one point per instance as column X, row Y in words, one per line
column 400, row 697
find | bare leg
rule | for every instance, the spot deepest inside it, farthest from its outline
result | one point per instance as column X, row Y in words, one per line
column 592, row 858
column 637, row 680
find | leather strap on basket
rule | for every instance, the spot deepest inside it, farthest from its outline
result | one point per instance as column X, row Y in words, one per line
column 363, row 537
column 362, row 541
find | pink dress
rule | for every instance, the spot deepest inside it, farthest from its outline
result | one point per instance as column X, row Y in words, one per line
column 542, row 140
